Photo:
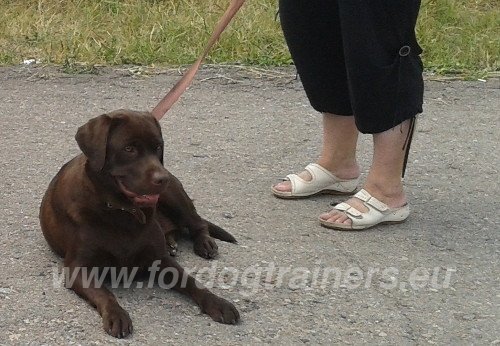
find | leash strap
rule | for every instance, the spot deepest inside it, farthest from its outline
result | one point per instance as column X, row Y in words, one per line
column 407, row 144
column 178, row 89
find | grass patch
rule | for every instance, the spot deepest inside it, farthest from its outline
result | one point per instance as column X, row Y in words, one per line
column 138, row 32
column 458, row 36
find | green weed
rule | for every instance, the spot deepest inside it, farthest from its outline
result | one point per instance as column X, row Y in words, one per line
column 458, row 36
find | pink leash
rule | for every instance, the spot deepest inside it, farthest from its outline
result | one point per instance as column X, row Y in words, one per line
column 178, row 89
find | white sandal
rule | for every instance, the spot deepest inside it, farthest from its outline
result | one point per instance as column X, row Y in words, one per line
column 322, row 182
column 378, row 213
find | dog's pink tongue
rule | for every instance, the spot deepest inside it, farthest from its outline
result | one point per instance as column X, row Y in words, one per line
column 146, row 200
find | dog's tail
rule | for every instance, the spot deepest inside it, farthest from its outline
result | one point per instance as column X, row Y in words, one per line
column 219, row 233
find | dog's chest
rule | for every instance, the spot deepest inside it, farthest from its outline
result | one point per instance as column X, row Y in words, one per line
column 128, row 247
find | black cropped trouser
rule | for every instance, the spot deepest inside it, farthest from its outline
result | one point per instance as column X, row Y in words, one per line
column 357, row 57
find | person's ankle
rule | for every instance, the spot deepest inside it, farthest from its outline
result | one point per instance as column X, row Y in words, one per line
column 389, row 193
column 343, row 169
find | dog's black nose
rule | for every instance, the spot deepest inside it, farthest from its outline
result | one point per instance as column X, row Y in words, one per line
column 159, row 178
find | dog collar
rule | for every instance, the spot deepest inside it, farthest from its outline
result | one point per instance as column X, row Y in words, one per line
column 115, row 204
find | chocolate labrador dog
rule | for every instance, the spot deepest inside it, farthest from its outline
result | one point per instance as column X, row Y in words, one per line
column 116, row 205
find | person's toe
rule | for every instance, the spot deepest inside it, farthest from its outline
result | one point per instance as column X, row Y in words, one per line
column 335, row 216
column 327, row 216
column 344, row 219
column 284, row 186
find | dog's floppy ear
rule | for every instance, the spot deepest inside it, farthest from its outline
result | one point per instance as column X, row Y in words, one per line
column 92, row 139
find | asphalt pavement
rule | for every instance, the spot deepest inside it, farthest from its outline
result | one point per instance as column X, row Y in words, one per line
column 432, row 280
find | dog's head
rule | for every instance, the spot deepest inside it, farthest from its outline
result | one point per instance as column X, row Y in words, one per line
column 126, row 146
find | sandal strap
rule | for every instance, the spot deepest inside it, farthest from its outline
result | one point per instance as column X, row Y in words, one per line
column 377, row 212
column 346, row 208
column 368, row 200
column 321, row 178
column 318, row 172
column 371, row 201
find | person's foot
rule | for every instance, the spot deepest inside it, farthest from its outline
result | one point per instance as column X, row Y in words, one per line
column 393, row 198
column 383, row 184
column 348, row 171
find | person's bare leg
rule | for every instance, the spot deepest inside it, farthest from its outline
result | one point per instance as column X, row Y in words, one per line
column 338, row 153
column 384, row 179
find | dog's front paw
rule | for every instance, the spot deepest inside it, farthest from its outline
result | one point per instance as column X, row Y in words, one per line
column 205, row 246
column 220, row 310
column 116, row 322
column 171, row 244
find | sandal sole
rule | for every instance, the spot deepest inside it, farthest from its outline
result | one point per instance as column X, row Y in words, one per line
column 279, row 194
column 336, row 226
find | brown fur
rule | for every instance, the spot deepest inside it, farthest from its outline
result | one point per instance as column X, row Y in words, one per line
column 95, row 213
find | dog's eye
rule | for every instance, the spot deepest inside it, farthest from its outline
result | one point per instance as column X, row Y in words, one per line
column 159, row 147
column 129, row 148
